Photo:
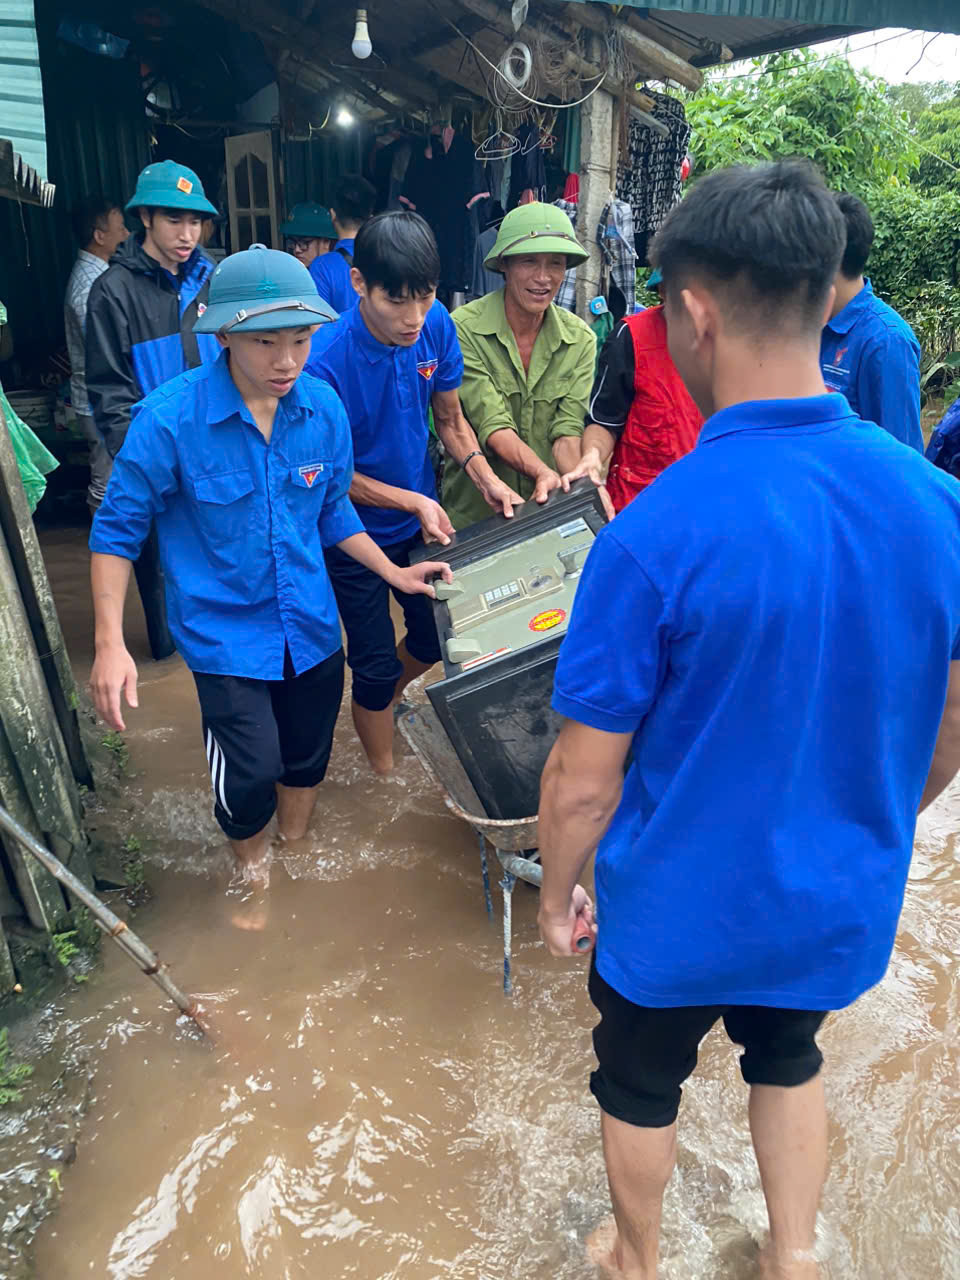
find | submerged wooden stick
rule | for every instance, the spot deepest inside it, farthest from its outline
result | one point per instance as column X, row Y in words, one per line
column 111, row 924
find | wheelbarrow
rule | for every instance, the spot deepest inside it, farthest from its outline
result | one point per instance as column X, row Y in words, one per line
column 510, row 839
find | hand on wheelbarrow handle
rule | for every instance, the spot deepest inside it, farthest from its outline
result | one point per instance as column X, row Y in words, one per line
column 583, row 937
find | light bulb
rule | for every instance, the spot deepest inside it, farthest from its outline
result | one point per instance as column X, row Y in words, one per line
column 344, row 117
column 361, row 47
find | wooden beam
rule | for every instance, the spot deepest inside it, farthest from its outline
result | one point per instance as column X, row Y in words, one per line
column 499, row 20
column 652, row 58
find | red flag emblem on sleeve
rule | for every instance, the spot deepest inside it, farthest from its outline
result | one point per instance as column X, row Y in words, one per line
column 427, row 368
column 311, row 472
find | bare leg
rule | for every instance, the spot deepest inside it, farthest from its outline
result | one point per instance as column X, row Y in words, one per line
column 375, row 731
column 375, row 728
column 789, row 1128
column 412, row 668
column 639, row 1165
column 295, row 807
column 253, row 860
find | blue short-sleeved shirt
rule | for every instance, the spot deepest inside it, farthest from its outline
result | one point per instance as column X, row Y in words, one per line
column 774, row 620
column 386, row 392
column 331, row 274
column 242, row 524
column 870, row 355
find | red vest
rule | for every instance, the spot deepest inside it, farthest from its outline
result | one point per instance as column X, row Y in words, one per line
column 663, row 423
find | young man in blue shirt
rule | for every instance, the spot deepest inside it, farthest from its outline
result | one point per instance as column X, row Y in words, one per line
column 868, row 352
column 245, row 465
column 391, row 359
column 354, row 201
column 784, row 665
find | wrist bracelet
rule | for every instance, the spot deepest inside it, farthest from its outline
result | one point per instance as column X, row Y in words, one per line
column 477, row 453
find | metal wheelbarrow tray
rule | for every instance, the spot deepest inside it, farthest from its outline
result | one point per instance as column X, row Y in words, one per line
column 510, row 838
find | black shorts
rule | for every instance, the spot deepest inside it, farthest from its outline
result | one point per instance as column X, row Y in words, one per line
column 363, row 599
column 645, row 1054
column 261, row 732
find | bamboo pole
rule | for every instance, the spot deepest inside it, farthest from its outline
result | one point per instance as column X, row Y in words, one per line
column 111, row 924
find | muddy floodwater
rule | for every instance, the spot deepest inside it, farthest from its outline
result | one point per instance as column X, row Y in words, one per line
column 375, row 1108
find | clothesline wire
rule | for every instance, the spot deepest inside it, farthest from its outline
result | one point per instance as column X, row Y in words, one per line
column 560, row 106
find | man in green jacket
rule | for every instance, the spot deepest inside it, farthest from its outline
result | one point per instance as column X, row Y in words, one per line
column 528, row 365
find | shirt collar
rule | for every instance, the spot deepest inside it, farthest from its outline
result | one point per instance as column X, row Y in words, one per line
column 855, row 309
column 84, row 256
column 224, row 400
column 807, row 415
column 346, row 243
column 371, row 347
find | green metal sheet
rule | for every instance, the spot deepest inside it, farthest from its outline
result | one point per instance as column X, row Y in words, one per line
column 21, row 88
column 925, row 15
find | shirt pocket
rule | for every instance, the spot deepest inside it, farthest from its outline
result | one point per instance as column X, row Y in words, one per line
column 225, row 508
column 306, row 492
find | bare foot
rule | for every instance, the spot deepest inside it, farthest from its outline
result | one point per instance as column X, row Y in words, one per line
column 800, row 1265
column 250, row 886
column 603, row 1250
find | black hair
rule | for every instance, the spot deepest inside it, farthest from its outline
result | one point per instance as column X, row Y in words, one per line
column 769, row 238
column 860, row 234
column 354, row 198
column 91, row 215
column 397, row 251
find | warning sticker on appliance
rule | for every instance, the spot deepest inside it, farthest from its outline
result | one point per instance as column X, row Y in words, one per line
column 548, row 620
column 476, row 662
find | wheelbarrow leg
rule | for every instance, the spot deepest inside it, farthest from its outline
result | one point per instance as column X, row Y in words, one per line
column 506, row 884
column 486, row 876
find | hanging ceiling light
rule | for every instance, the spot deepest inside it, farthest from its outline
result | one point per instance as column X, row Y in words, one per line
column 344, row 117
column 361, row 47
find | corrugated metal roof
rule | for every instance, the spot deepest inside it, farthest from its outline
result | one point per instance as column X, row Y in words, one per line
column 21, row 88
column 750, row 27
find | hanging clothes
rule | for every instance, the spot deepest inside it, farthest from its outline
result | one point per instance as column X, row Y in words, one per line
column 615, row 237
column 649, row 176
column 528, row 172
column 567, row 295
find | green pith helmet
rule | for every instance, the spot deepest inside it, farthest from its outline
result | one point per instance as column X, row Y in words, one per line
column 169, row 185
column 535, row 228
column 261, row 288
column 309, row 222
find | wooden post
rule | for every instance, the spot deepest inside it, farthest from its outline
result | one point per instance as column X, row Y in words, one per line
column 16, row 527
column 39, row 892
column 8, row 975
column 31, row 728
column 597, row 182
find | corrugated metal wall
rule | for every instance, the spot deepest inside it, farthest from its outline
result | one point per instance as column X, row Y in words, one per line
column 21, row 90
column 97, row 142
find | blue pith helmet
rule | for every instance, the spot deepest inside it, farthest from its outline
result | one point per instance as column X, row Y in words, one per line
column 169, row 185
column 309, row 222
column 260, row 288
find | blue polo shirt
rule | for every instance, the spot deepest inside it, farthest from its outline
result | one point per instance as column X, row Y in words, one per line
column 331, row 274
column 386, row 392
column 870, row 355
column 773, row 620
column 242, row 524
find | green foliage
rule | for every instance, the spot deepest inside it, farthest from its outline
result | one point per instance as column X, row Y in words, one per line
column 938, row 138
column 915, row 97
column 797, row 105
column 115, row 744
column 12, row 1075
column 64, row 947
